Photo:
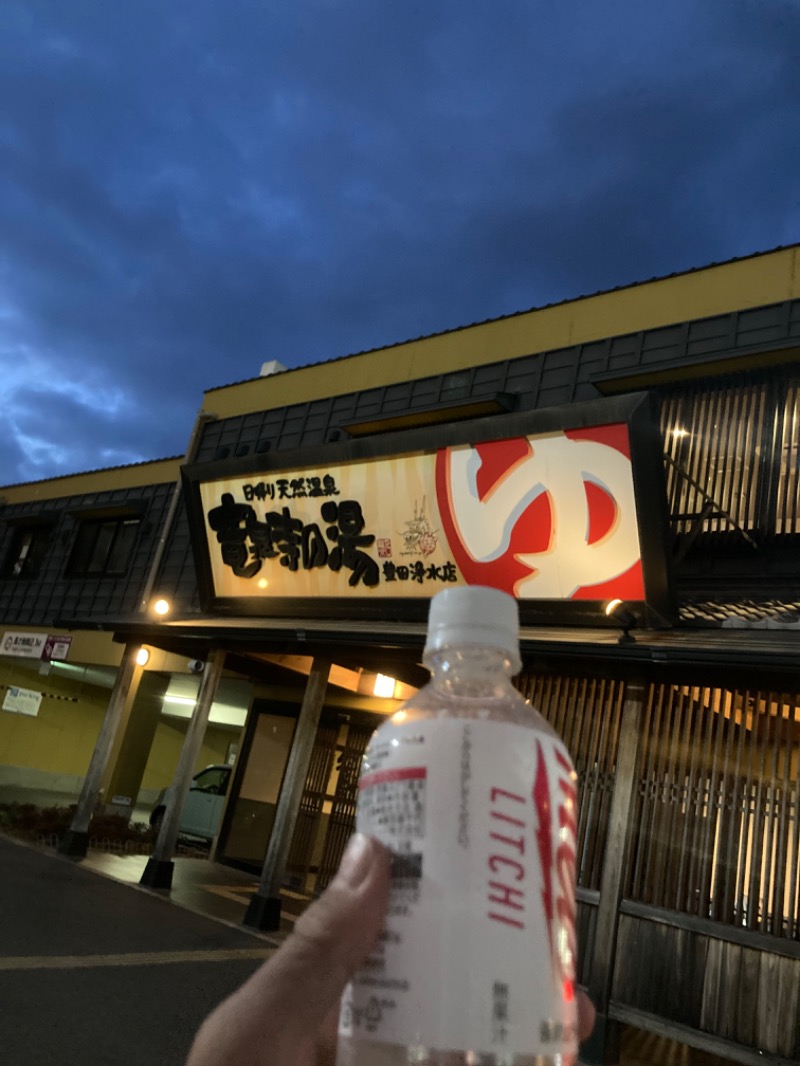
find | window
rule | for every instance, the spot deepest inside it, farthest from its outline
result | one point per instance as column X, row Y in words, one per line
column 27, row 551
column 213, row 780
column 103, row 547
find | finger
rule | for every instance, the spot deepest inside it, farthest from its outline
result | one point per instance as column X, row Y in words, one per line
column 586, row 1015
column 330, row 940
column 277, row 1016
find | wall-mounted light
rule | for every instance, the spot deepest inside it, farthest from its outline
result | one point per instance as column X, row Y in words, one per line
column 142, row 657
column 161, row 607
column 384, row 686
column 616, row 610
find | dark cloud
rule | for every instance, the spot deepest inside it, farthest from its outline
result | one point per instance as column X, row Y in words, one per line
column 189, row 189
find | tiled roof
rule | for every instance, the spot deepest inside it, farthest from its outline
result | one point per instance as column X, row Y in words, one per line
column 741, row 614
column 517, row 314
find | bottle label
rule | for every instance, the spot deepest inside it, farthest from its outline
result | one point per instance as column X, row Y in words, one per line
column 478, row 952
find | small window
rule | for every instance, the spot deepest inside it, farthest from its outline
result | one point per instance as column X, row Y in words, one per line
column 103, row 547
column 213, row 780
column 27, row 551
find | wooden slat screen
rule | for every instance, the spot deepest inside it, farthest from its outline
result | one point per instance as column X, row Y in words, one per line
column 717, row 824
column 299, row 859
column 713, row 437
column 788, row 455
column 342, row 820
column 586, row 712
column 732, row 454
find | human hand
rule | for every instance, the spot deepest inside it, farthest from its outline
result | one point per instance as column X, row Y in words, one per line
column 287, row 1013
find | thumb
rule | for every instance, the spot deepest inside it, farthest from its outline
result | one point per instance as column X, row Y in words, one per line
column 282, row 1009
column 330, row 940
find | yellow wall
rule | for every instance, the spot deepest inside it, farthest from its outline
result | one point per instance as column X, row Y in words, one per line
column 88, row 647
column 61, row 738
column 715, row 290
column 159, row 472
column 167, row 745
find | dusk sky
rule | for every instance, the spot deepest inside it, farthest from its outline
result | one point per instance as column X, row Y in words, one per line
column 189, row 188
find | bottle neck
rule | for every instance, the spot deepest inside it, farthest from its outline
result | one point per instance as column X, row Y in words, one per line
column 473, row 671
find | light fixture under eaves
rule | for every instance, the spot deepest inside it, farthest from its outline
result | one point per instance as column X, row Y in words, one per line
column 384, row 686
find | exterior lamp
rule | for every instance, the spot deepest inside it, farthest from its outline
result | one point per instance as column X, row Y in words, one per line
column 384, row 686
column 161, row 607
column 615, row 609
column 142, row 657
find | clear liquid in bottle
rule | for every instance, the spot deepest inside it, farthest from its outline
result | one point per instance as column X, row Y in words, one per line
column 475, row 795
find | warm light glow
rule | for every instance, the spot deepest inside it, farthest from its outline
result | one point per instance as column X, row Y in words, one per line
column 142, row 657
column 161, row 607
column 680, row 432
column 612, row 605
column 398, row 717
column 182, row 701
column 384, row 686
column 262, row 582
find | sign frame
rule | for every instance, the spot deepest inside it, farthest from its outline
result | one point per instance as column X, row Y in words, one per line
column 636, row 410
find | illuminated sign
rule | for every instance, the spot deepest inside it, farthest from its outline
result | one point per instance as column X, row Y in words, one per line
column 545, row 516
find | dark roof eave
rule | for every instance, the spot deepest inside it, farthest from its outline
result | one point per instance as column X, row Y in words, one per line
column 771, row 648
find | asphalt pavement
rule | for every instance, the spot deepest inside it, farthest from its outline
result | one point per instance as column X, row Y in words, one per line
column 96, row 973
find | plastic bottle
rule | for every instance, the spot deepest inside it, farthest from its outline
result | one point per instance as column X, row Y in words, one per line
column 475, row 794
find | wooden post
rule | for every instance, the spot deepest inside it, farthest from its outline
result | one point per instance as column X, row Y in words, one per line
column 264, row 910
column 158, row 872
column 76, row 839
column 602, row 1048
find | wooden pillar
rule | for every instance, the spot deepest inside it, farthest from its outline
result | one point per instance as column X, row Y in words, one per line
column 158, row 872
column 76, row 840
column 264, row 910
column 602, row 1048
column 126, row 767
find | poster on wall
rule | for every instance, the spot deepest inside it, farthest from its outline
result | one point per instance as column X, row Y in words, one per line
column 22, row 701
column 554, row 516
column 56, row 647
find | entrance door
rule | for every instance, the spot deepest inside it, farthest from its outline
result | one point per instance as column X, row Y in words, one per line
column 342, row 819
column 312, row 802
column 327, row 815
column 251, row 811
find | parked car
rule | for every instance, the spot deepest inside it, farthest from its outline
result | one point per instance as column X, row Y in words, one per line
column 202, row 811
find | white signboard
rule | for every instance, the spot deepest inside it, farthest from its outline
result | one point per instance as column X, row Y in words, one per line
column 22, row 701
column 23, row 645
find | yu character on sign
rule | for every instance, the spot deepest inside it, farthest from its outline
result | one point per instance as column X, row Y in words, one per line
column 346, row 522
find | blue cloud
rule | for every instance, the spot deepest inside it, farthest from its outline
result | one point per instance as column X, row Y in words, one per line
column 188, row 189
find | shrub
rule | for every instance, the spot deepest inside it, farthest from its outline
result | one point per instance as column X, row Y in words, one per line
column 31, row 822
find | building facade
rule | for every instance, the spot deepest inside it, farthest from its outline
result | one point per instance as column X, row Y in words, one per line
column 317, row 511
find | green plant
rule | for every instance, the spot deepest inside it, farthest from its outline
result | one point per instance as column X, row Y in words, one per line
column 32, row 822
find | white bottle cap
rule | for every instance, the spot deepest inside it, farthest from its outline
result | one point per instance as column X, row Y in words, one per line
column 474, row 614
